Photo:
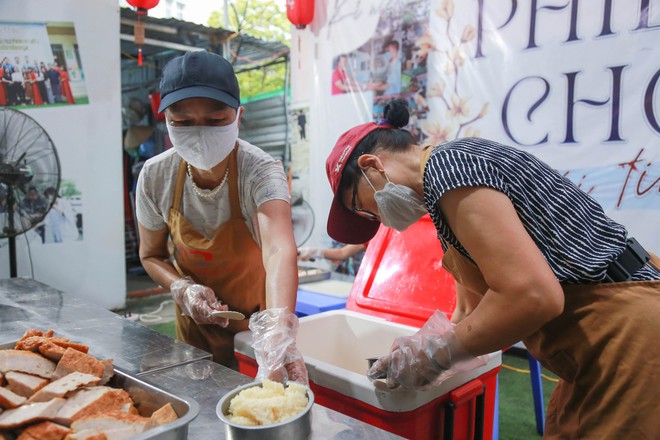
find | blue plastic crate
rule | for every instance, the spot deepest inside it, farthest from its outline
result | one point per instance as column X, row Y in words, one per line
column 310, row 303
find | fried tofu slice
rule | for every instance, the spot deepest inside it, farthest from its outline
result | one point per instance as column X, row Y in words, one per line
column 45, row 431
column 34, row 340
column 74, row 360
column 91, row 401
column 52, row 351
column 113, row 420
column 26, row 362
column 26, row 414
column 34, row 332
column 63, row 386
column 108, row 371
column 165, row 414
column 24, row 384
column 9, row 399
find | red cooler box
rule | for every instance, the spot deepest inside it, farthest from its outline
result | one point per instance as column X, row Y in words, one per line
column 398, row 287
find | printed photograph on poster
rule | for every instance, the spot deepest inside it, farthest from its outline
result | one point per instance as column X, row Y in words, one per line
column 343, row 76
column 392, row 63
column 302, row 215
column 62, row 222
column 299, row 139
column 45, row 215
column 40, row 65
column 36, row 202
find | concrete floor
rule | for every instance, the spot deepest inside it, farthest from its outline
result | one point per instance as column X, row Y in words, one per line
column 149, row 304
column 143, row 295
column 139, row 282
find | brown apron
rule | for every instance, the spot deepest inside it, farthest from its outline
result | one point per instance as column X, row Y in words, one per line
column 604, row 348
column 230, row 263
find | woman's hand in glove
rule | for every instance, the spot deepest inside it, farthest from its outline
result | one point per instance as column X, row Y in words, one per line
column 198, row 302
column 306, row 253
column 417, row 361
column 274, row 342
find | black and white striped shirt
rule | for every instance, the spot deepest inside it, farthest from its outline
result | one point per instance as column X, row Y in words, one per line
column 570, row 228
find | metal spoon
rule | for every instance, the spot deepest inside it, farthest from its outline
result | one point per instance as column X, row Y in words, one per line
column 229, row 314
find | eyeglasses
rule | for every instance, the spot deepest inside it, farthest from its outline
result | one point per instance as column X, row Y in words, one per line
column 362, row 212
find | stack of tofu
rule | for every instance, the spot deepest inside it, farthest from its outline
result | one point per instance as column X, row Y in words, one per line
column 50, row 388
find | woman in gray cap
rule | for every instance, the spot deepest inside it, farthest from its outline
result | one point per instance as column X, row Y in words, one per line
column 224, row 204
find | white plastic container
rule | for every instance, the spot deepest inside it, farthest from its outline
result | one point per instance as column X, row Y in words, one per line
column 336, row 345
column 399, row 285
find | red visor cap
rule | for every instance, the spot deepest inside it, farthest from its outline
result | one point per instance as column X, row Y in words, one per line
column 344, row 225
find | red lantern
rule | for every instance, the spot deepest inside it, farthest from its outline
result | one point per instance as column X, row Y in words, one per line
column 143, row 4
column 141, row 7
column 300, row 12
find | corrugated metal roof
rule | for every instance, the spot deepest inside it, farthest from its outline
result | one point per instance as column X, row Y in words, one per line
column 264, row 124
column 168, row 37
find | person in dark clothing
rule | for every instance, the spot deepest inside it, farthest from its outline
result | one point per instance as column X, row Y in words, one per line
column 53, row 75
column 33, row 208
column 302, row 121
column 15, row 89
column 10, row 96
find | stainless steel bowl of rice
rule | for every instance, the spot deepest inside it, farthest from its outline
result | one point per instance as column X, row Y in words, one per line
column 267, row 410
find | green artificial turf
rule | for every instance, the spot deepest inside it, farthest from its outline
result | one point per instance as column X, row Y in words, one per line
column 517, row 420
column 79, row 101
column 167, row 329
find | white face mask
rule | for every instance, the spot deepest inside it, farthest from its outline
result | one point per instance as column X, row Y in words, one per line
column 204, row 146
column 398, row 205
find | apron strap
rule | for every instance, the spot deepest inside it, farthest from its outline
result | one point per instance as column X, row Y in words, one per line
column 178, row 188
column 233, row 185
column 176, row 205
column 426, row 155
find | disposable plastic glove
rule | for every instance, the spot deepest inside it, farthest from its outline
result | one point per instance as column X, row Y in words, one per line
column 309, row 253
column 274, row 342
column 426, row 358
column 198, row 302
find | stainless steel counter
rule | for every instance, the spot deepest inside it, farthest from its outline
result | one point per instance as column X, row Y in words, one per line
column 137, row 350
column 134, row 348
column 207, row 382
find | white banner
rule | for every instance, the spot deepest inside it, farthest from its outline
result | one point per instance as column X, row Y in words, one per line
column 575, row 83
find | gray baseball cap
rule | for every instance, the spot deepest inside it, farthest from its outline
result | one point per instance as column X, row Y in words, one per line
column 199, row 74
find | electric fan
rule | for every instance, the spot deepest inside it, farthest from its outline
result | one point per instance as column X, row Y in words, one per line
column 28, row 166
column 133, row 111
column 302, row 217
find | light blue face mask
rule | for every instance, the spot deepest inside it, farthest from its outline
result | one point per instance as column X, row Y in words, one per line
column 398, row 205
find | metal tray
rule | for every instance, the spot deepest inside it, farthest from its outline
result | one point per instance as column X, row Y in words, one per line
column 311, row 274
column 148, row 399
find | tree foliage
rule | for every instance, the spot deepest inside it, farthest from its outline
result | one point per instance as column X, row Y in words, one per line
column 68, row 188
column 263, row 19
